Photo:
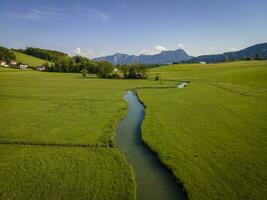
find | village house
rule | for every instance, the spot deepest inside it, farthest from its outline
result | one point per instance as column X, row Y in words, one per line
column 3, row 64
column 41, row 68
column 23, row 66
column 13, row 63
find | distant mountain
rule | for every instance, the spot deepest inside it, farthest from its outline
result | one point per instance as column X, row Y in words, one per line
column 164, row 57
column 250, row 52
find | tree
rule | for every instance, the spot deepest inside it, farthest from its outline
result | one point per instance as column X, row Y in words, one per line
column 142, row 69
column 257, row 57
column 46, row 65
column 6, row 55
column 84, row 72
column 157, row 78
column 105, row 69
column 124, row 69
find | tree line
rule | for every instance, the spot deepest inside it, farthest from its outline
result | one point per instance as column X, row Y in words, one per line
column 60, row 62
column 45, row 54
column 103, row 69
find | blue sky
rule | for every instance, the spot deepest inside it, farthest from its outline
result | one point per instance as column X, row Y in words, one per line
column 101, row 27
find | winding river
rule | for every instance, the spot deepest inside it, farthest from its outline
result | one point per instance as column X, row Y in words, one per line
column 154, row 181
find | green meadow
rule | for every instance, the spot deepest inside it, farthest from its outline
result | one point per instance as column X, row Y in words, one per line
column 212, row 134
column 34, row 172
column 54, row 113
column 57, row 132
column 29, row 60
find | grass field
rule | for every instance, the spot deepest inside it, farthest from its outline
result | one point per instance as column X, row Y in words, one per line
column 212, row 134
column 30, row 60
column 33, row 172
column 61, row 108
column 55, row 109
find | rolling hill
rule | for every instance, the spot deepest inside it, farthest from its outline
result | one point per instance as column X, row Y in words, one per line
column 30, row 60
column 46, row 54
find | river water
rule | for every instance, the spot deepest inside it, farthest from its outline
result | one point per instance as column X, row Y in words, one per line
column 154, row 181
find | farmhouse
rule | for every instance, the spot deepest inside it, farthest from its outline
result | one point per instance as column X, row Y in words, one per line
column 41, row 68
column 13, row 63
column 3, row 63
column 23, row 66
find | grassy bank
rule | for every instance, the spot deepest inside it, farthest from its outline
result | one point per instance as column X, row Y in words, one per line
column 212, row 134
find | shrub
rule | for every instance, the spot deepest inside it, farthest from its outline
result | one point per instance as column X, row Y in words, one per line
column 84, row 72
column 157, row 78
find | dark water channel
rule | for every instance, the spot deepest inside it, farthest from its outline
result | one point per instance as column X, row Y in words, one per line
column 154, row 181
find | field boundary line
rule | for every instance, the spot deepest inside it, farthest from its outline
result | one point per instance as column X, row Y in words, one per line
column 22, row 143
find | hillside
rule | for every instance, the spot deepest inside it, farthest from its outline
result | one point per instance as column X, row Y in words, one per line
column 46, row 54
column 6, row 54
column 164, row 57
column 30, row 60
column 247, row 53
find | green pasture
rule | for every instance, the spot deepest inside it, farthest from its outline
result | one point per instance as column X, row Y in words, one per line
column 42, row 107
column 34, row 172
column 212, row 134
column 29, row 60
column 48, row 110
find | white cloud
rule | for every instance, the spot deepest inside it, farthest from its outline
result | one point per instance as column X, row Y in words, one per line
column 211, row 48
column 92, row 13
column 160, row 48
column 52, row 13
column 87, row 53
column 181, row 45
column 232, row 49
column 35, row 14
column 156, row 50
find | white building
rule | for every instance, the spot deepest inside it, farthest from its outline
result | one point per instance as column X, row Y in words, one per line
column 23, row 66
column 202, row 63
column 41, row 68
column 13, row 63
column 3, row 64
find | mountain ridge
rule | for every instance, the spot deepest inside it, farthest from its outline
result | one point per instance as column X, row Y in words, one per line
column 164, row 57
column 250, row 52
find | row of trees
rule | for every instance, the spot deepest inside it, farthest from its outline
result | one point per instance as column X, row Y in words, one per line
column 45, row 54
column 79, row 64
column 103, row 69
column 256, row 57
column 71, row 64
column 133, row 71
